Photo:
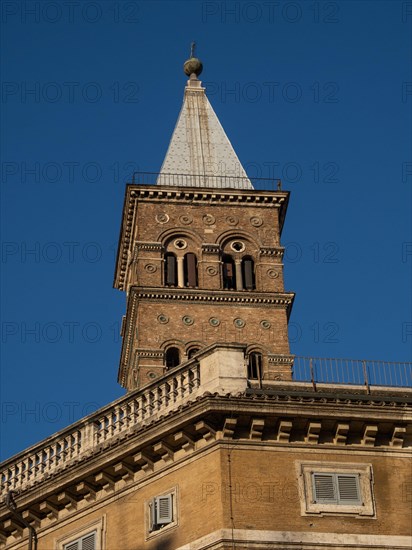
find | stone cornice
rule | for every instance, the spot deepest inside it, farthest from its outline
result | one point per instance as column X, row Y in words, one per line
column 283, row 300
column 280, row 299
column 250, row 419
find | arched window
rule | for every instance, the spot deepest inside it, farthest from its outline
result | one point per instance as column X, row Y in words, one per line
column 254, row 367
column 192, row 352
column 248, row 273
column 190, row 269
column 229, row 272
column 172, row 358
column 170, row 269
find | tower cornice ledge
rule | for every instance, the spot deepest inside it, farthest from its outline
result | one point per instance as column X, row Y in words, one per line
column 275, row 299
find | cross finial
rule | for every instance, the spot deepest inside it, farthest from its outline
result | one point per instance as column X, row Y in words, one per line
column 192, row 49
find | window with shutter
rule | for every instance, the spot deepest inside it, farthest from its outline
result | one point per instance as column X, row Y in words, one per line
column 161, row 512
column 324, row 488
column 348, row 489
column 164, row 511
column 337, row 488
column 87, row 542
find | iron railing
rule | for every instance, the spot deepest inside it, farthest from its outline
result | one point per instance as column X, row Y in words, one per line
column 212, row 181
column 352, row 371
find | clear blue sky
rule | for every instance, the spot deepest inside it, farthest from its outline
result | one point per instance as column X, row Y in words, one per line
column 317, row 93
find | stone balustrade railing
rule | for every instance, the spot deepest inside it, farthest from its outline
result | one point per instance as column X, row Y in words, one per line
column 135, row 409
column 218, row 369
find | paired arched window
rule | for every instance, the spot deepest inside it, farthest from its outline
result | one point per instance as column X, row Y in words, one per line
column 172, row 358
column 254, row 366
column 238, row 279
column 180, row 270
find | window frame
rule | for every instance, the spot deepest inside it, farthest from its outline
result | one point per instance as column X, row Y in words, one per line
column 153, row 532
column 97, row 526
column 364, row 506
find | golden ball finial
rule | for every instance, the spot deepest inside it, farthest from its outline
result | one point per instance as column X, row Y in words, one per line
column 193, row 65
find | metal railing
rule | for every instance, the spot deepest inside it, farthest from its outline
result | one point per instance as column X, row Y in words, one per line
column 212, row 181
column 352, row 371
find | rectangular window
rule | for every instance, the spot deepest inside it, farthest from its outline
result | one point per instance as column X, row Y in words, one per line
column 161, row 512
column 87, row 537
column 336, row 488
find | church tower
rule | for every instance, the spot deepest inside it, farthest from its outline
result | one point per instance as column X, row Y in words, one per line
column 200, row 255
column 217, row 444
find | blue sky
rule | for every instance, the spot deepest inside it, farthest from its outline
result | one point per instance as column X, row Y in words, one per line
column 317, row 93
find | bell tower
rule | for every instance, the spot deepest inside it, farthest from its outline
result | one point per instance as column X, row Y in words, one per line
column 200, row 256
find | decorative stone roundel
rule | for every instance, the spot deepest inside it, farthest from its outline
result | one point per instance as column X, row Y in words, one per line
column 214, row 321
column 212, row 270
column 237, row 246
column 150, row 268
column 186, row 220
column 187, row 320
column 256, row 221
column 180, row 244
column 232, row 220
column 162, row 218
column 151, row 375
column 265, row 324
column 208, row 219
column 272, row 273
column 163, row 319
column 239, row 323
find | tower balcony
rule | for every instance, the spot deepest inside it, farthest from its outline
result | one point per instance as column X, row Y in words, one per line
column 211, row 180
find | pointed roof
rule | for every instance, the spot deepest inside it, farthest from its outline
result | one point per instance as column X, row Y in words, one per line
column 200, row 150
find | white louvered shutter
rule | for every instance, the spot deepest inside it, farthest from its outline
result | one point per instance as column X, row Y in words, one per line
column 164, row 509
column 324, row 488
column 88, row 542
column 348, row 489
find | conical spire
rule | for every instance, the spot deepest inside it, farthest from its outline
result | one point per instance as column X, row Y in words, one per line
column 199, row 150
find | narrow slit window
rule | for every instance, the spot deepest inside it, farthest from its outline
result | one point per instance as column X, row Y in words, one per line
column 229, row 272
column 254, row 370
column 170, row 269
column 248, row 273
column 190, row 270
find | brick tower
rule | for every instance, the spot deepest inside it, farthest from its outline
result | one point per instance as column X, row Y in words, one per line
column 217, row 445
column 200, row 255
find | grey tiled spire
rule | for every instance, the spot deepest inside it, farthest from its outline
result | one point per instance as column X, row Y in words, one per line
column 199, row 149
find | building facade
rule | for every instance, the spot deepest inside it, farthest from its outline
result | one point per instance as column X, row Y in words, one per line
column 221, row 441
